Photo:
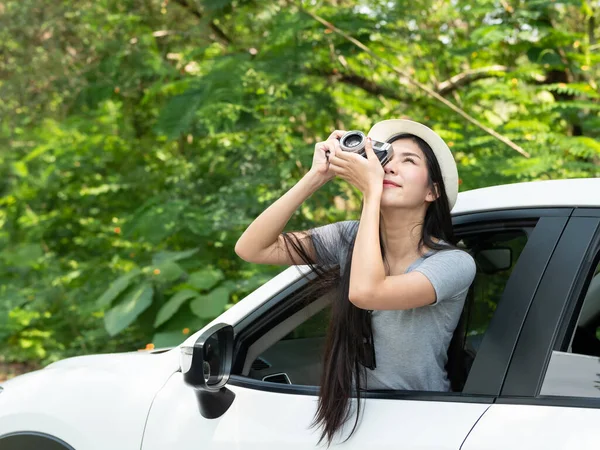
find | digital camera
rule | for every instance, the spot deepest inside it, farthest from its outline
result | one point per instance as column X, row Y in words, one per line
column 354, row 141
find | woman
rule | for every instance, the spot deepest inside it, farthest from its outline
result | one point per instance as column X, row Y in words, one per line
column 402, row 282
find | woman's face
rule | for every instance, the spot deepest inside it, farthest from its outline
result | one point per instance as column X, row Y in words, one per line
column 406, row 180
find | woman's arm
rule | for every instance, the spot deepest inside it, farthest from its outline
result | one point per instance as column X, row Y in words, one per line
column 370, row 288
column 440, row 277
column 367, row 269
column 262, row 242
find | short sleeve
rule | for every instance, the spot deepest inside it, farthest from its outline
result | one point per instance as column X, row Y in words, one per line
column 451, row 272
column 331, row 242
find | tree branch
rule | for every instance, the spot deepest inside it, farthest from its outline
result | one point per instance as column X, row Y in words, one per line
column 419, row 85
column 467, row 77
column 360, row 82
column 221, row 36
column 591, row 28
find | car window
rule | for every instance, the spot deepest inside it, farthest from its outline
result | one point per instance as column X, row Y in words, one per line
column 496, row 254
column 314, row 327
column 296, row 358
column 576, row 371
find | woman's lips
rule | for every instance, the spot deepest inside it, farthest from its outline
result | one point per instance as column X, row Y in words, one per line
column 391, row 184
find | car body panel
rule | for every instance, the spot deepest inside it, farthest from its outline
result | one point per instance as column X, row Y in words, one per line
column 581, row 192
column 92, row 402
column 261, row 420
column 530, row 427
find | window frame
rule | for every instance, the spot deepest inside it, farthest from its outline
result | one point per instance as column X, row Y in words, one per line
column 553, row 314
column 483, row 385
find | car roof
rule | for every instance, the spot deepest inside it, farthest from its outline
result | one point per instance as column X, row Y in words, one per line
column 580, row 192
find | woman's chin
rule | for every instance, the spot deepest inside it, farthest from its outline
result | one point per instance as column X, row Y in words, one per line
column 391, row 202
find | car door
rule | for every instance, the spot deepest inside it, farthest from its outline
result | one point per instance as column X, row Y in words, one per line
column 551, row 395
column 268, row 415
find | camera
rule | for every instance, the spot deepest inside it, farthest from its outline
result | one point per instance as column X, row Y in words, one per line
column 354, row 141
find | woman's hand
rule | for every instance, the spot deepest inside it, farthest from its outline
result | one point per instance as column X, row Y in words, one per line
column 366, row 174
column 323, row 153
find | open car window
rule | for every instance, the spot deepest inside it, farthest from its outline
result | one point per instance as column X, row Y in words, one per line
column 291, row 351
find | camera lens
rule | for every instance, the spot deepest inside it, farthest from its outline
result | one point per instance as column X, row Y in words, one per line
column 352, row 141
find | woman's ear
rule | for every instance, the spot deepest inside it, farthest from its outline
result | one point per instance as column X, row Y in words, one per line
column 434, row 194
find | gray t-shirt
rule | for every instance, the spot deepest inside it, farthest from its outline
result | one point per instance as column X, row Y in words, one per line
column 410, row 345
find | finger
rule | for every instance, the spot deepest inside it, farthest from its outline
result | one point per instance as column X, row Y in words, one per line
column 336, row 134
column 350, row 158
column 335, row 164
column 344, row 156
column 337, row 169
column 334, row 146
column 340, row 159
column 325, row 147
column 369, row 149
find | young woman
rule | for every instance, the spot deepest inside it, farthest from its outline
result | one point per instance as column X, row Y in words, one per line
column 402, row 283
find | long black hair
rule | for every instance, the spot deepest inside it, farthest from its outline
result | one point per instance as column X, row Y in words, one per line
column 350, row 327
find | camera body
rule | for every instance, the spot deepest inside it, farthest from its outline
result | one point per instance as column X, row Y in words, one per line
column 354, row 141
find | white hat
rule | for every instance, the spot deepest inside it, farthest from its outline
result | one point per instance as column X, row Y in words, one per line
column 387, row 130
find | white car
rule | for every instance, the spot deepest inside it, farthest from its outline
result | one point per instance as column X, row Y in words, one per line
column 529, row 338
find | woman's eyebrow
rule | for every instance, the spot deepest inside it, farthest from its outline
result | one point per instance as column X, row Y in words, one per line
column 409, row 154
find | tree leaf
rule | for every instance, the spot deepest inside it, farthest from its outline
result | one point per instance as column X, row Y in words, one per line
column 136, row 301
column 25, row 255
column 215, row 4
column 210, row 305
column 157, row 221
column 183, row 319
column 116, row 287
column 161, row 257
column 172, row 306
column 168, row 338
column 179, row 113
column 168, row 271
column 20, row 168
column 205, row 279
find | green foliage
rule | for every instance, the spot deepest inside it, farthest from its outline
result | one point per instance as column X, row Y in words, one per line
column 172, row 306
column 205, row 279
column 117, row 287
column 137, row 300
column 210, row 305
column 139, row 138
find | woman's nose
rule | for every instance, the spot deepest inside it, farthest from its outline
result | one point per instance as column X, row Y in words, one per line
column 389, row 169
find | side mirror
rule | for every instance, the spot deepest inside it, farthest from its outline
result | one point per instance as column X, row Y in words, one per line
column 206, row 367
column 494, row 260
